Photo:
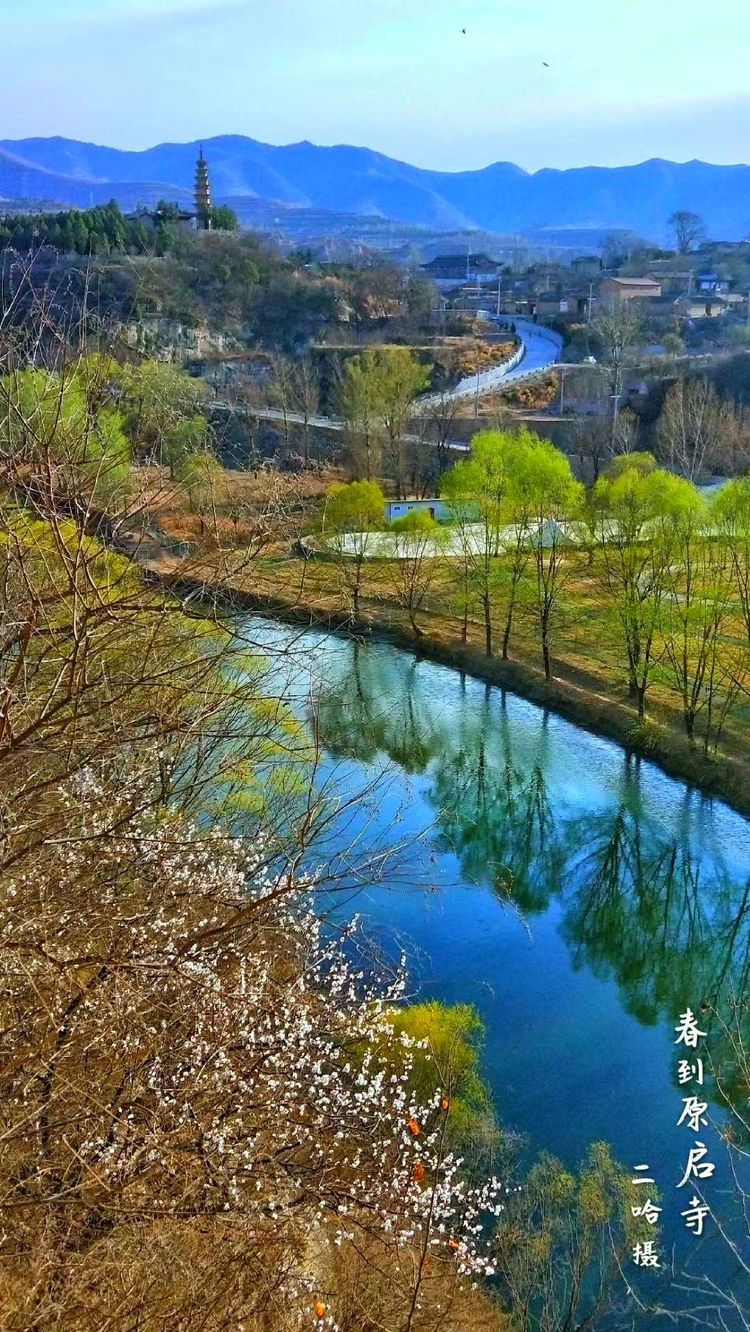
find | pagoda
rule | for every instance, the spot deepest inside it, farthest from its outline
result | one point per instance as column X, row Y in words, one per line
column 202, row 193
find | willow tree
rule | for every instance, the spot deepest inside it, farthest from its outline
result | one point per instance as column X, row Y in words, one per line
column 418, row 545
column 158, row 397
column 703, row 667
column 634, row 507
column 544, row 484
column 353, row 514
column 378, row 392
column 357, row 405
column 519, row 511
column 399, row 379
column 74, row 445
column 730, row 512
column 475, row 491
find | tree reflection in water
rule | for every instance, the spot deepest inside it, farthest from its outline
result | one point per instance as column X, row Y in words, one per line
column 639, row 903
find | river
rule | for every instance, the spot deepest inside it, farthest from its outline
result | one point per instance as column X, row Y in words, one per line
column 577, row 896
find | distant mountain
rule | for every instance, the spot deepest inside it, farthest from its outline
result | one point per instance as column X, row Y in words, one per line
column 22, row 177
column 499, row 198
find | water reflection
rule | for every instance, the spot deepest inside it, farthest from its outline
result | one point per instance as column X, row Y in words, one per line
column 652, row 882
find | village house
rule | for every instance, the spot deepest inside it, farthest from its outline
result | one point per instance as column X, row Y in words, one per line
column 571, row 305
column 586, row 265
column 455, row 270
column 712, row 282
column 703, row 305
column 629, row 289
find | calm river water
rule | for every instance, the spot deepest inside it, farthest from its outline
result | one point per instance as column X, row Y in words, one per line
column 578, row 897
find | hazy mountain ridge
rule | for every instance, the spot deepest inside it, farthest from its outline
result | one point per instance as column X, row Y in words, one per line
column 500, row 197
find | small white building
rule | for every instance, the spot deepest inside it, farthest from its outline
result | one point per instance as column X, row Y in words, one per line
column 399, row 508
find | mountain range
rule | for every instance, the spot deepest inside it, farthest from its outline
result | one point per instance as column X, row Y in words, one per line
column 344, row 179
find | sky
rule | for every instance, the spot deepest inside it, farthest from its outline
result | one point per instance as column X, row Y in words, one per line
column 537, row 82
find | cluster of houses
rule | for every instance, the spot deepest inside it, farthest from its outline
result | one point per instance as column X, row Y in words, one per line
column 573, row 292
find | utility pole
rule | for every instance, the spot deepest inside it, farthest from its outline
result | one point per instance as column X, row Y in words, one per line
column 498, row 295
column 591, row 301
column 615, row 414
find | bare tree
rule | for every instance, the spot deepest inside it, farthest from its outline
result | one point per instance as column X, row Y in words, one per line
column 295, row 391
column 593, row 444
column 706, row 670
column 618, row 247
column 687, row 228
column 204, row 1101
column 697, row 430
column 618, row 326
column 438, row 416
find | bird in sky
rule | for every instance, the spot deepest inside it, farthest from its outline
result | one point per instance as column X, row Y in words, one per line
column 546, row 66
column 463, row 31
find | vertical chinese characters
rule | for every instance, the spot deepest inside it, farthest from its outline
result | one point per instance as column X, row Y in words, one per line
column 693, row 1117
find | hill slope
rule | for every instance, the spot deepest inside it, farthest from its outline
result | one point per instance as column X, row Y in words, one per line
column 500, row 197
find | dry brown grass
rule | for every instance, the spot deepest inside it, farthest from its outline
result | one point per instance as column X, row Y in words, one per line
column 589, row 684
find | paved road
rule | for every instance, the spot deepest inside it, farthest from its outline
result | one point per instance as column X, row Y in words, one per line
column 539, row 351
column 542, row 347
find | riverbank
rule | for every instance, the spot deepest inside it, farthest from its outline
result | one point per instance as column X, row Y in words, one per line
column 724, row 777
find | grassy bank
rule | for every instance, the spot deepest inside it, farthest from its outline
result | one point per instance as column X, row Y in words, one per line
column 283, row 588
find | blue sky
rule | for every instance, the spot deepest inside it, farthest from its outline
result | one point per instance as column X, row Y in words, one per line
column 627, row 79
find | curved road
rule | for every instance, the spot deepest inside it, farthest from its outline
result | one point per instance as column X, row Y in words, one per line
column 539, row 351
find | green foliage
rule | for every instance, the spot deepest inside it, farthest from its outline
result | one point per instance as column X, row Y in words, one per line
column 630, row 462
column 92, row 416
column 674, row 344
column 57, row 417
column 449, row 1060
column 397, row 376
column 516, row 490
column 160, row 400
column 185, row 439
column 731, row 506
column 388, row 379
column 560, row 1227
column 635, row 497
column 224, row 218
column 200, row 472
column 478, row 488
column 95, row 231
column 643, row 736
column 418, row 542
column 358, row 506
column 508, row 476
column 377, row 394
column 545, row 484
column 357, row 510
column 418, row 522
